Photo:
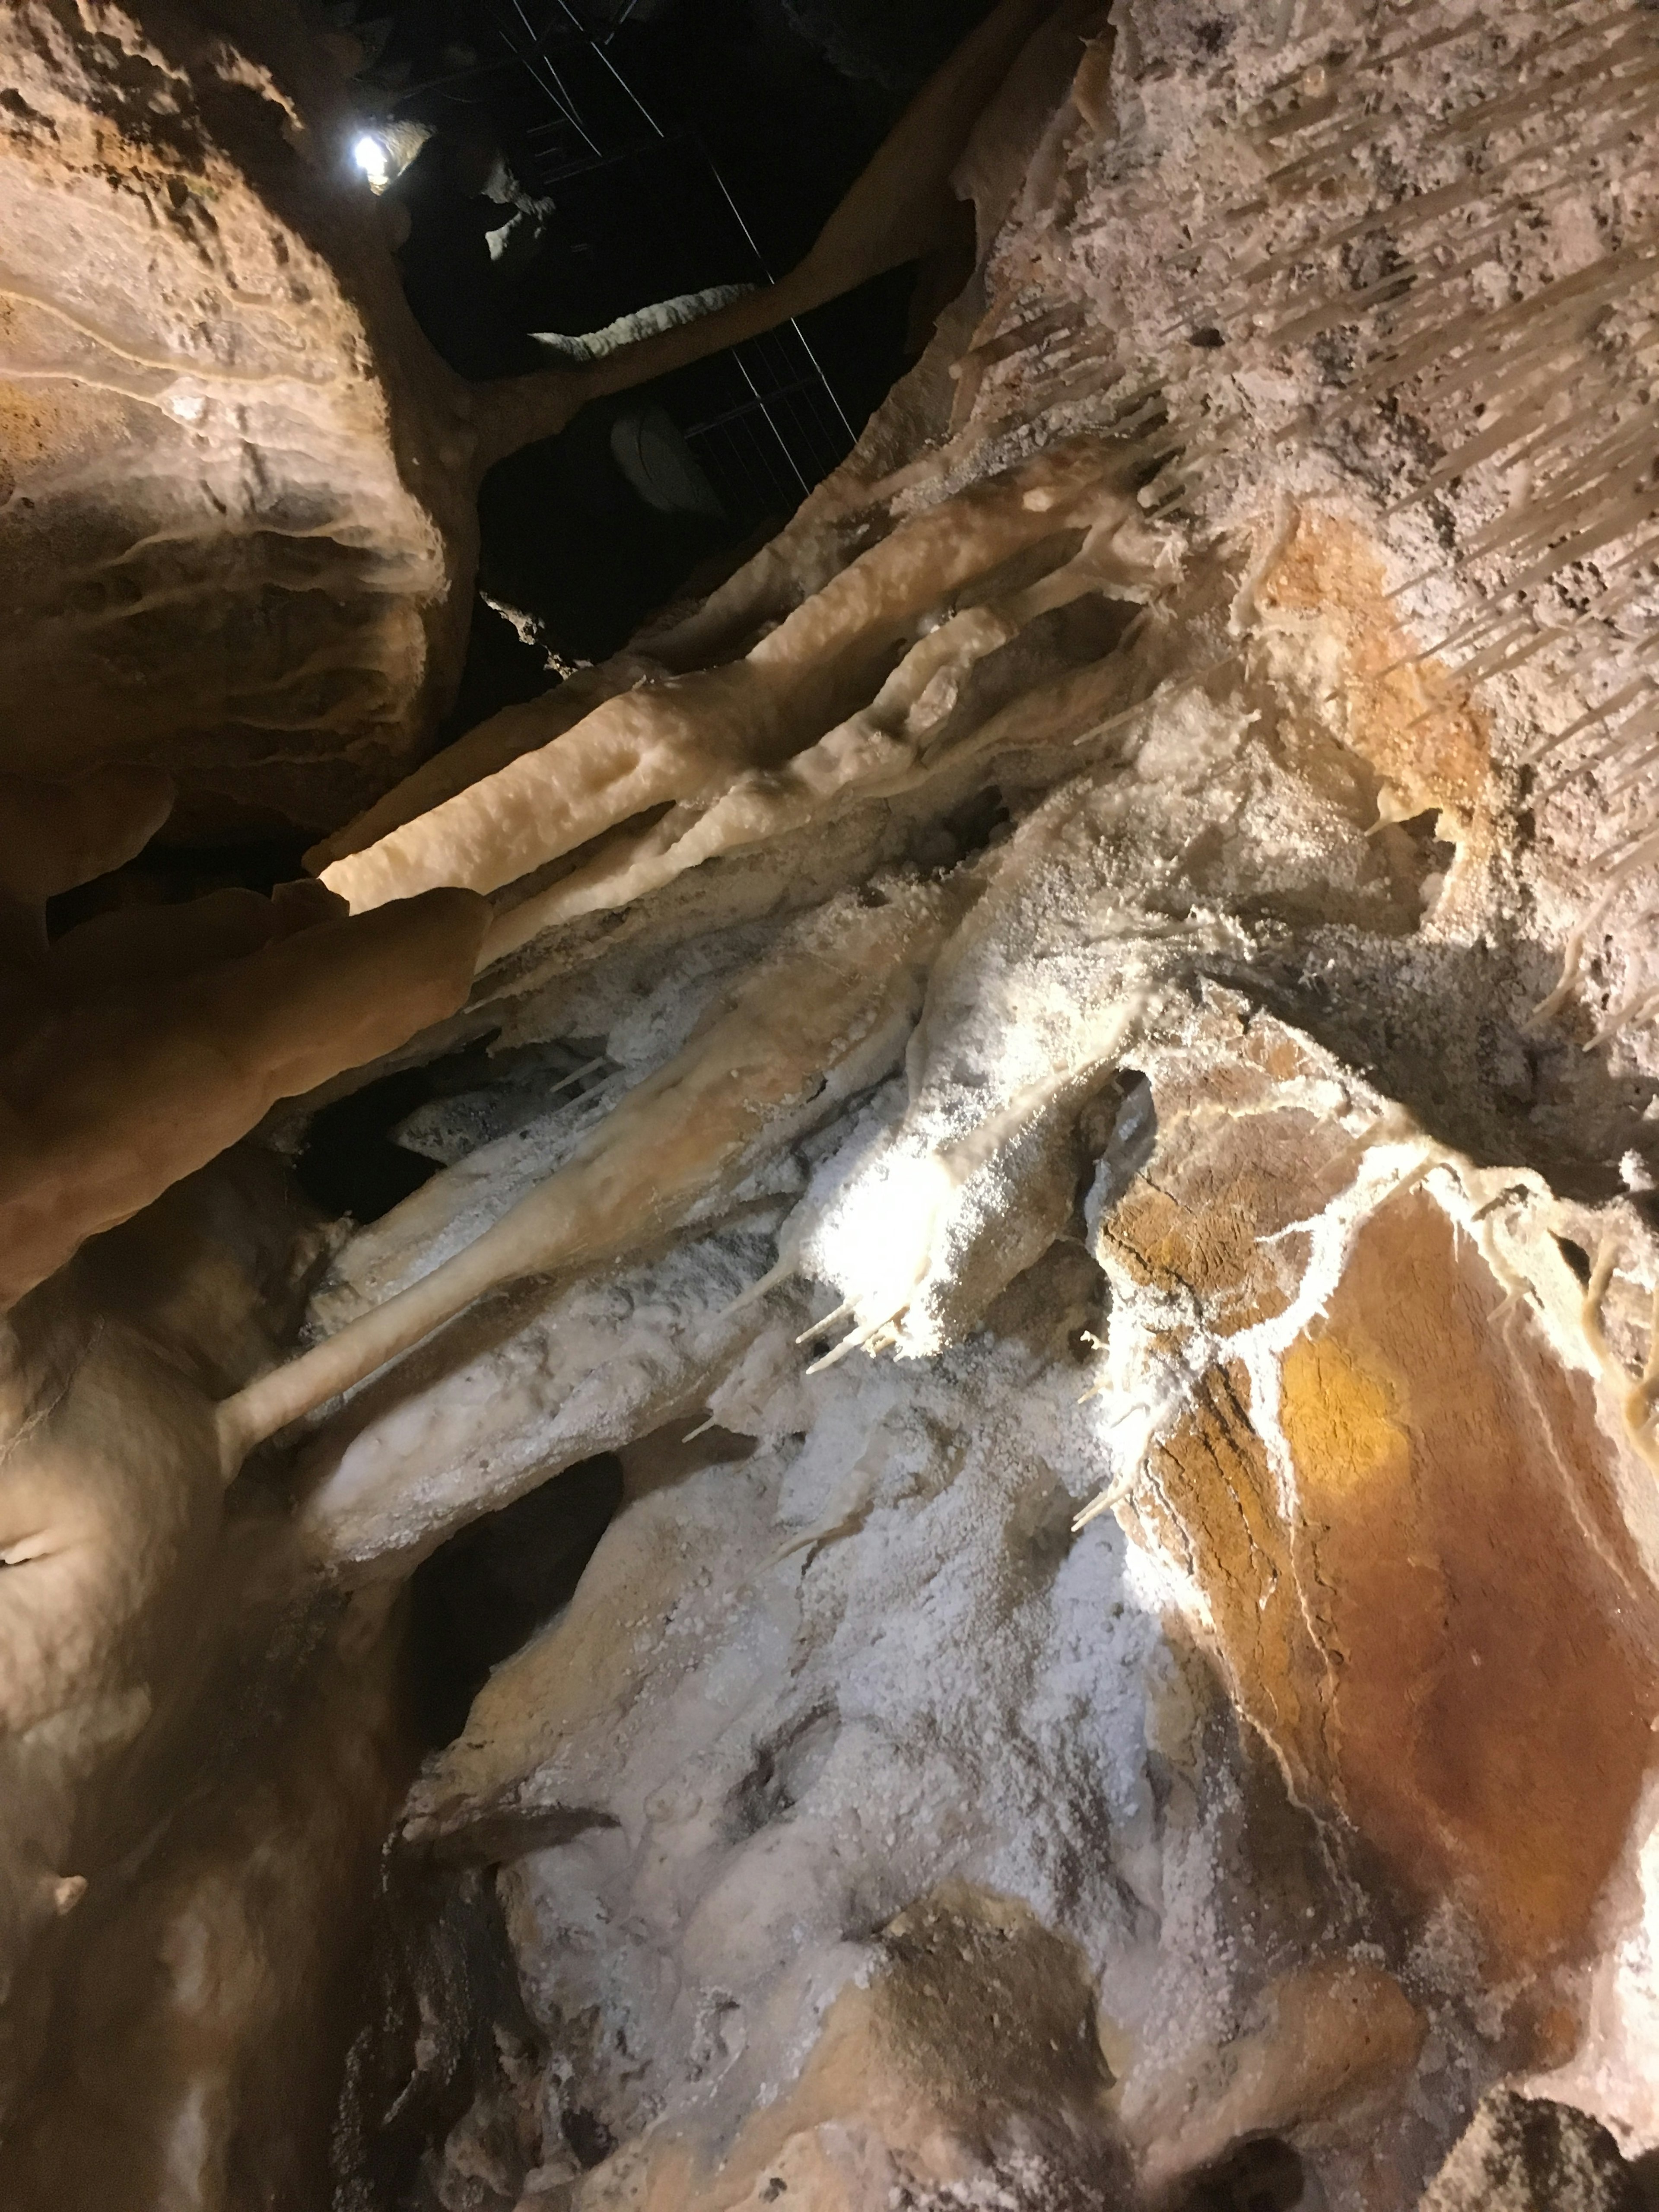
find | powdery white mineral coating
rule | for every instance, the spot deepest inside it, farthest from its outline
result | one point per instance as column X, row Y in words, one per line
column 1110, row 896
column 607, row 1360
column 805, row 1688
column 1365, row 343
column 1612, row 2073
column 635, row 1014
column 1244, row 822
column 800, row 1689
column 825, row 1016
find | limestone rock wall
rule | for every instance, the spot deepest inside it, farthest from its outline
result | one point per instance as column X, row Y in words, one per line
column 231, row 523
column 1270, row 959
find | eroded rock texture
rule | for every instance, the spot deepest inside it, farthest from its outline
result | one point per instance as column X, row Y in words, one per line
column 237, row 521
column 1061, row 1139
column 233, row 519
column 1520, row 2151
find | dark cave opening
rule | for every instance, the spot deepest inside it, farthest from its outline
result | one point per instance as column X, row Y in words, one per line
column 367, row 1153
column 586, row 160
column 1263, row 2174
column 445, row 2037
column 488, row 1590
column 170, row 874
column 1577, row 1258
column 351, row 1164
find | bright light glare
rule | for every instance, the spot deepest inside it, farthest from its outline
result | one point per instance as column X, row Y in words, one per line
column 370, row 155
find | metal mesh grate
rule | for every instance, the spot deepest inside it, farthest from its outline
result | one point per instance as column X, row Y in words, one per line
column 781, row 432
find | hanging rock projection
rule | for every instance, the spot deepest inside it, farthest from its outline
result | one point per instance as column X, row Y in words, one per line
column 1048, row 1160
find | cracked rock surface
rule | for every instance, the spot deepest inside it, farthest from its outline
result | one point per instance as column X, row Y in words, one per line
column 1060, row 1191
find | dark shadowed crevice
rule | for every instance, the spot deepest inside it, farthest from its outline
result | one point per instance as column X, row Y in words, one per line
column 447, row 2067
column 490, row 1587
column 351, row 1164
column 362, row 1155
column 447, row 2044
column 1262, row 2175
column 1577, row 1258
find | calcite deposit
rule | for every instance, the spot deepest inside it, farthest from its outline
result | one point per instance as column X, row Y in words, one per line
column 990, row 1538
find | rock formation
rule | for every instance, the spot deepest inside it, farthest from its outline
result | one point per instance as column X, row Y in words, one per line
column 239, row 526
column 1057, row 1180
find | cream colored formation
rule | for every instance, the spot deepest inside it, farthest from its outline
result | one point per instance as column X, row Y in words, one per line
column 136, row 1047
column 262, row 584
column 1079, row 913
column 817, row 1024
column 757, row 747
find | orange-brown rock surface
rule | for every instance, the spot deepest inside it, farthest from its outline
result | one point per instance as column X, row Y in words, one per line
column 234, row 523
column 1018, row 1423
column 237, row 487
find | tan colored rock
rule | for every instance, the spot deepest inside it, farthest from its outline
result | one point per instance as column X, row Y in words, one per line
column 205, row 1997
column 238, row 527
column 130, row 1592
column 973, row 2044
column 239, row 532
column 1244, row 1174
column 140, row 1045
column 1524, row 2154
column 731, row 735
column 1331, row 2036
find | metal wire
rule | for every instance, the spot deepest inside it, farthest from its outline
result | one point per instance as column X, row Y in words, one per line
column 802, row 439
column 556, row 92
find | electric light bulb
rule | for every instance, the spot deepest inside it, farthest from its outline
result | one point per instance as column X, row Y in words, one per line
column 370, row 155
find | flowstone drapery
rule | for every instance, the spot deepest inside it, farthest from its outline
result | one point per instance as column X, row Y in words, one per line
column 1061, row 1122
